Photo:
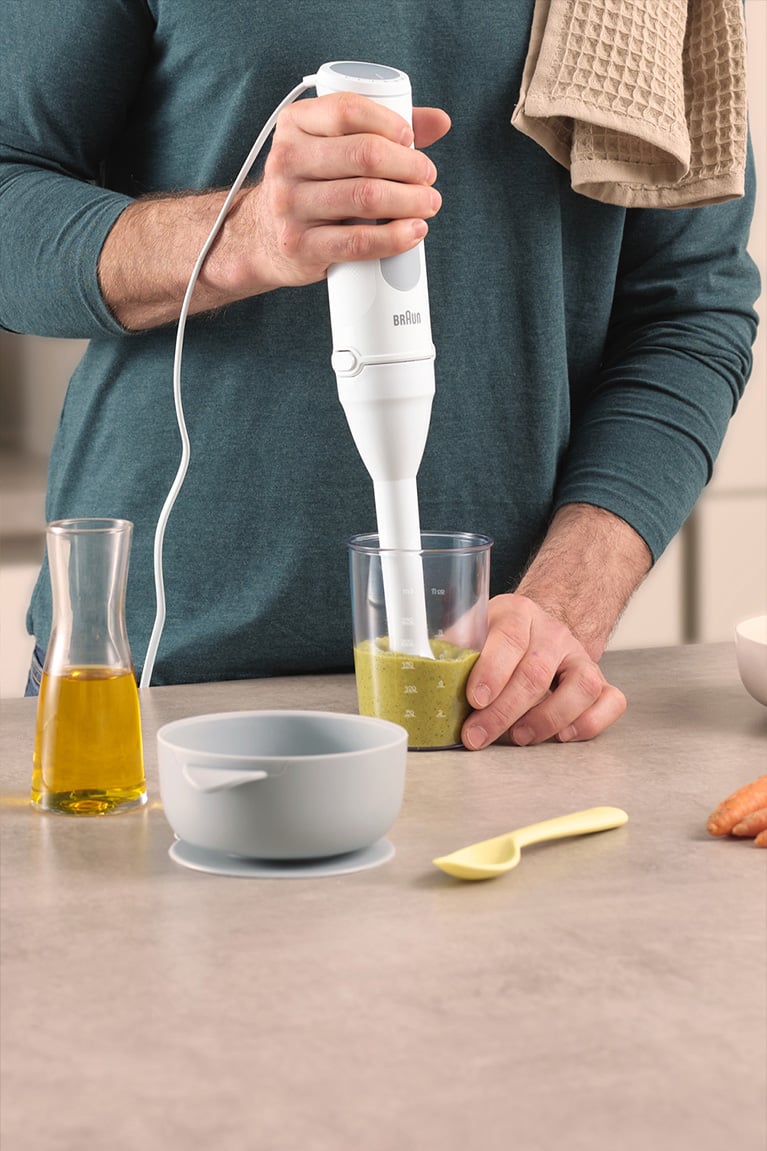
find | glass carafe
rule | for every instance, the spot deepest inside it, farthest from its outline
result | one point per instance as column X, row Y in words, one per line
column 88, row 757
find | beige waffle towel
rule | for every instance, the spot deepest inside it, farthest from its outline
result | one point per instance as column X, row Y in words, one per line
column 643, row 100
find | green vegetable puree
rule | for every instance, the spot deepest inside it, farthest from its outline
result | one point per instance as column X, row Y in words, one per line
column 426, row 696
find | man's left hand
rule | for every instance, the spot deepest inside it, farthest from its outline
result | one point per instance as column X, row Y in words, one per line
column 536, row 681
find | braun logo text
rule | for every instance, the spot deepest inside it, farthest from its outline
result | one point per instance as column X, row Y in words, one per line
column 402, row 319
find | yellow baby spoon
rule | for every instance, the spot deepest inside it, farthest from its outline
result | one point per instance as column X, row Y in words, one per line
column 495, row 856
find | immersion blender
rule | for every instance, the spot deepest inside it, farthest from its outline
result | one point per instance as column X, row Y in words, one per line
column 383, row 357
column 384, row 363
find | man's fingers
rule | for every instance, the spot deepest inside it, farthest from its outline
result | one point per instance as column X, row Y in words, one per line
column 541, row 724
column 532, row 707
column 343, row 200
column 343, row 114
column 301, row 156
column 579, row 686
column 333, row 244
column 430, row 125
column 347, row 113
column 527, row 678
column 503, row 649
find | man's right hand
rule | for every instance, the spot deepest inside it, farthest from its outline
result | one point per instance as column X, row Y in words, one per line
column 333, row 159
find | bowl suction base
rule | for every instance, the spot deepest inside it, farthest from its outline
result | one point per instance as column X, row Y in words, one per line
column 218, row 863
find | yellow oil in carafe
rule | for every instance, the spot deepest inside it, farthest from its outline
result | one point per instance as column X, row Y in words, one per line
column 88, row 756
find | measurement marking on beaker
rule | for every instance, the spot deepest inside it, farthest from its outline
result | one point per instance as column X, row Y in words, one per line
column 440, row 683
column 437, row 591
column 407, row 665
column 409, row 713
column 410, row 689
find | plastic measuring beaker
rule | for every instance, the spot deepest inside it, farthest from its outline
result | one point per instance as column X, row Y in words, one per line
column 88, row 757
column 426, row 696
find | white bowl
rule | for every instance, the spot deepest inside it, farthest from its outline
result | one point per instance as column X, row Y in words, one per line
column 281, row 784
column 751, row 652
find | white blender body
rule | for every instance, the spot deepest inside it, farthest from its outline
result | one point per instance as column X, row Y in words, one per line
column 383, row 357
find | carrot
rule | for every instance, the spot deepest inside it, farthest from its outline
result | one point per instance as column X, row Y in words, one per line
column 751, row 797
column 752, row 824
column 761, row 839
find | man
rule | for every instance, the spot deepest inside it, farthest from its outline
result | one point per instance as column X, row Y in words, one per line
column 588, row 356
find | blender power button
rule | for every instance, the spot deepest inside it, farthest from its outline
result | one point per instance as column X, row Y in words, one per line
column 402, row 272
column 344, row 362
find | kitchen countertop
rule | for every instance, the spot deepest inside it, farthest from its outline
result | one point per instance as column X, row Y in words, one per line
column 609, row 993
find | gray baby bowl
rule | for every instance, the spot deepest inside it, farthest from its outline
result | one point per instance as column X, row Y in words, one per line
column 281, row 784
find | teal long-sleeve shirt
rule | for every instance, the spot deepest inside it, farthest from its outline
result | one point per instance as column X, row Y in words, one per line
column 584, row 352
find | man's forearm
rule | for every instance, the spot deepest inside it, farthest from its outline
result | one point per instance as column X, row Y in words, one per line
column 148, row 257
column 586, row 570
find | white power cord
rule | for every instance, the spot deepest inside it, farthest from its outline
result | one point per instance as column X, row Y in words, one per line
column 159, row 622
